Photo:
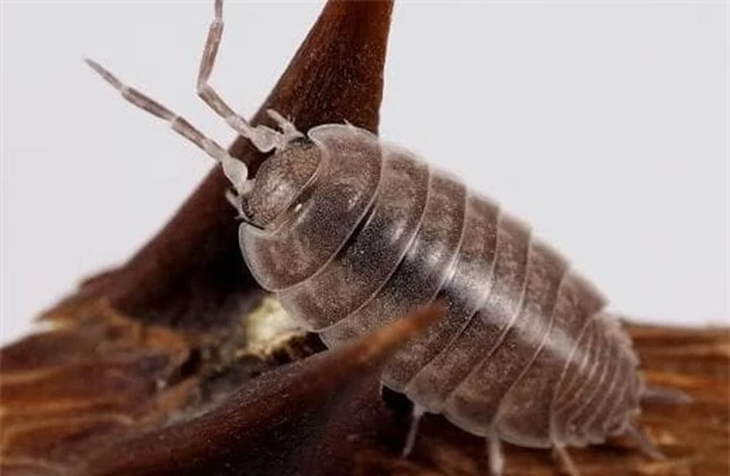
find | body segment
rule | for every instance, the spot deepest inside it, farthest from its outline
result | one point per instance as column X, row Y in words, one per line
column 525, row 352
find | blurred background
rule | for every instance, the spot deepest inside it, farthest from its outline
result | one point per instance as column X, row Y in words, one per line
column 604, row 125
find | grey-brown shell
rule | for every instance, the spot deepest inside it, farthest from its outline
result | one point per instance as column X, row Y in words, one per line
column 526, row 351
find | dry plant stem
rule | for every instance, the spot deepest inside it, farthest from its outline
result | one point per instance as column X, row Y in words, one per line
column 329, row 403
column 151, row 348
column 81, row 394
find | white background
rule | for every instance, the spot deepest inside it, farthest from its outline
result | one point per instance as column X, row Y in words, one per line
column 604, row 125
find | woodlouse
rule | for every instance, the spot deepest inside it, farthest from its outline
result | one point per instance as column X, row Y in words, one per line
column 351, row 232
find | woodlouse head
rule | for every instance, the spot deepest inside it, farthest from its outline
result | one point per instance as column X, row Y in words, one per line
column 280, row 181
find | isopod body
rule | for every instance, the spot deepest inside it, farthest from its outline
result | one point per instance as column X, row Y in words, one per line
column 350, row 232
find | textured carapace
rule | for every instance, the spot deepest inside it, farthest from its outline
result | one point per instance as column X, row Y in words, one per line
column 524, row 353
column 351, row 232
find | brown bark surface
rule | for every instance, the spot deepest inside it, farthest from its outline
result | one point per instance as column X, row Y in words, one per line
column 155, row 367
column 112, row 396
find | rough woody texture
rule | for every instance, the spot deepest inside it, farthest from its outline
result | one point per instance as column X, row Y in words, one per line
column 158, row 367
column 112, row 396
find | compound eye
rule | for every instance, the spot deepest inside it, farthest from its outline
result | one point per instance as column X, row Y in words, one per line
column 280, row 182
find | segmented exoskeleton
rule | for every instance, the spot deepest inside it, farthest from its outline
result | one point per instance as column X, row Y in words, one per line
column 361, row 232
column 351, row 232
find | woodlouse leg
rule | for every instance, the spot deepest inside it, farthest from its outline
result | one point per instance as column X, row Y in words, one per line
column 496, row 455
column 235, row 201
column 235, row 170
column 418, row 412
column 644, row 443
column 565, row 460
column 263, row 138
column 664, row 395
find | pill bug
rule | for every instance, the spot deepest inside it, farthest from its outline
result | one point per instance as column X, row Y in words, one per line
column 350, row 232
